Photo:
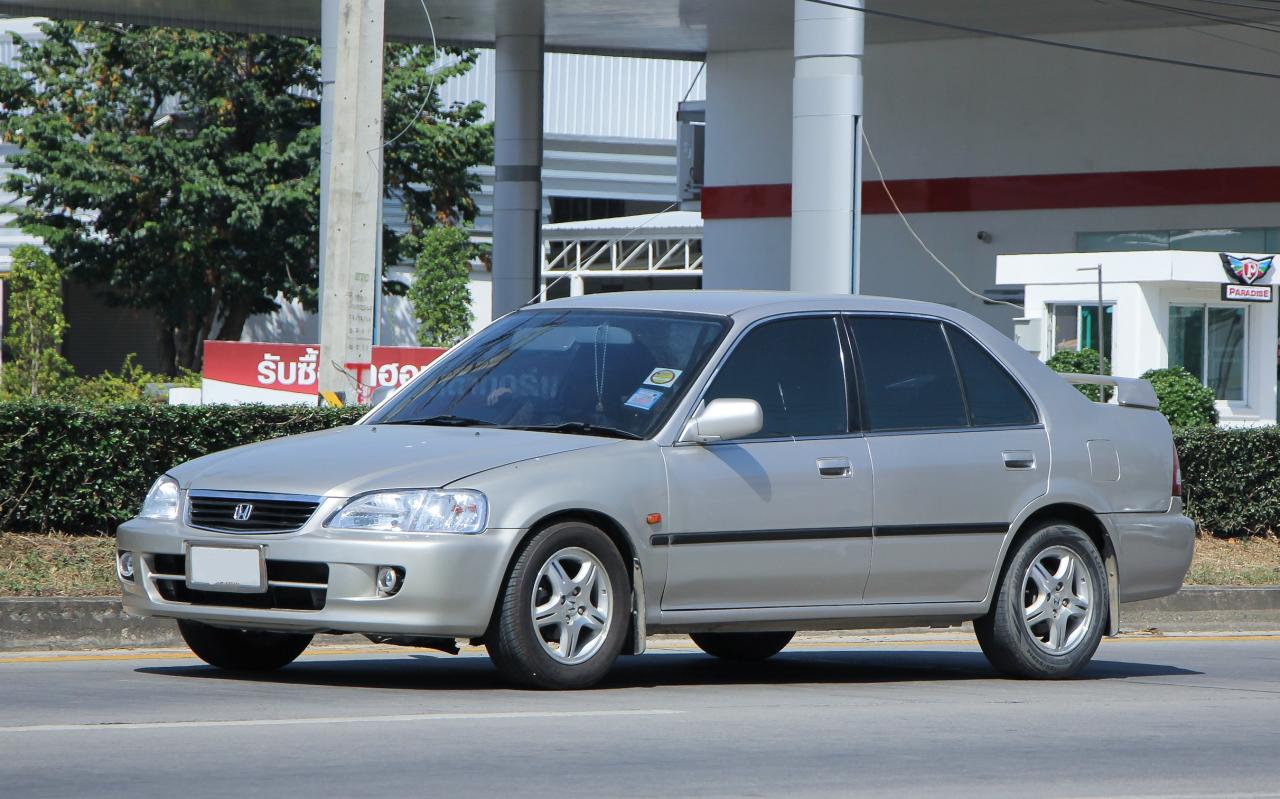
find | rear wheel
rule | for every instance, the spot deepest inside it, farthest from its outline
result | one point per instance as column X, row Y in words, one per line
column 742, row 646
column 242, row 650
column 1050, row 607
column 564, row 615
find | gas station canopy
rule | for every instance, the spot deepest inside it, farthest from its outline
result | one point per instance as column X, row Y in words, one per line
column 668, row 28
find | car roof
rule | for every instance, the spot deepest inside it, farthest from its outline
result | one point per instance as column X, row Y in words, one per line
column 750, row 304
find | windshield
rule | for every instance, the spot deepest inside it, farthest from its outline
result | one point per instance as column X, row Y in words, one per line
column 611, row 373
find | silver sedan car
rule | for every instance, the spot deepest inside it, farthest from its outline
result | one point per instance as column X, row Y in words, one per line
column 735, row 466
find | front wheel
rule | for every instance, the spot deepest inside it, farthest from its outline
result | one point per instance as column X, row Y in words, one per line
column 564, row 614
column 1050, row 608
column 242, row 650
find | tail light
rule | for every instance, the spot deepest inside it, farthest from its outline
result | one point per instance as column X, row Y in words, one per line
column 1177, row 474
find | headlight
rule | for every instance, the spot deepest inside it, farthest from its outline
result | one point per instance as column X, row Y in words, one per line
column 424, row 511
column 161, row 501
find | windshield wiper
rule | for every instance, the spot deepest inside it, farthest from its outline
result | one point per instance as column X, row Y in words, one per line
column 585, row 428
column 444, row 420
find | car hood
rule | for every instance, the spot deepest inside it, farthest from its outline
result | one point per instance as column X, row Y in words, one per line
column 349, row 460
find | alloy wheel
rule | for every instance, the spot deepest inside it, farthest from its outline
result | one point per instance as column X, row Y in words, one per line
column 1056, row 599
column 570, row 606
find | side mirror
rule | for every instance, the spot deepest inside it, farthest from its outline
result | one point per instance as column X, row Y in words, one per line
column 379, row 394
column 723, row 419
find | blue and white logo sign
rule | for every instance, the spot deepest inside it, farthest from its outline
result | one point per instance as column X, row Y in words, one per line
column 1246, row 269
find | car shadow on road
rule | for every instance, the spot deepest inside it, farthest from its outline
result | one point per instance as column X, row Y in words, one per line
column 661, row 669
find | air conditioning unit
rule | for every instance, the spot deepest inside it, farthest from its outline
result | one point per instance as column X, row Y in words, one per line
column 691, row 127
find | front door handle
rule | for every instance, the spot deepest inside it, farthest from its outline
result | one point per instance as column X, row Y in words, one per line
column 834, row 467
column 1019, row 459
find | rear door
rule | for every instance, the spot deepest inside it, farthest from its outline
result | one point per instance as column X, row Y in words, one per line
column 958, row 450
column 782, row 518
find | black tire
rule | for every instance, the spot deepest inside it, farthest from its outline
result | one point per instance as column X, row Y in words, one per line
column 1018, row 648
column 742, row 646
column 243, row 650
column 517, row 648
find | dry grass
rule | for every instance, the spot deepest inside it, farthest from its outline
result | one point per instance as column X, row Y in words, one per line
column 67, row 565
column 1236, row 561
column 57, row 565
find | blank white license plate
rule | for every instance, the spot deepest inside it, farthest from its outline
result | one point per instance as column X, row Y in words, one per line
column 225, row 569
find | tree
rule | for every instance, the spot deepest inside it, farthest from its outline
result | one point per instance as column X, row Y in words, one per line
column 178, row 170
column 431, row 149
column 36, row 325
column 440, row 295
column 175, row 168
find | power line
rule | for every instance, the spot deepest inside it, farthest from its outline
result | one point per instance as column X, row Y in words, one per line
column 1083, row 48
column 1207, row 16
column 884, row 184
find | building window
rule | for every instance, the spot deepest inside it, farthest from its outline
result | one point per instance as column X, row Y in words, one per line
column 1209, row 342
column 1253, row 240
column 1075, row 327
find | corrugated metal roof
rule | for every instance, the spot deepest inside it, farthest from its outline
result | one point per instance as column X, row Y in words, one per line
column 679, row 223
column 597, row 96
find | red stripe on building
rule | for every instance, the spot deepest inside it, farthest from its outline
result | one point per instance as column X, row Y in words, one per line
column 746, row 202
column 1224, row 186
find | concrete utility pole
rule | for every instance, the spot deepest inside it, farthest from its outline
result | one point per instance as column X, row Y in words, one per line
column 517, row 154
column 826, row 148
column 352, row 195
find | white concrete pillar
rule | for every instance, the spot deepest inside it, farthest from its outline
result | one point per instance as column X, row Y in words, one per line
column 354, row 197
column 826, row 112
column 577, row 286
column 517, row 154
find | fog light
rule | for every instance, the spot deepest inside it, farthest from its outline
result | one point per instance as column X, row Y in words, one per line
column 389, row 580
column 124, row 562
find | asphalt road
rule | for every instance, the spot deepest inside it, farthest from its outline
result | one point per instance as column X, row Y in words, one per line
column 1151, row 717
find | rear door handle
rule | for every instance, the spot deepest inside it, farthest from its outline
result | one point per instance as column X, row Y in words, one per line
column 834, row 467
column 1019, row 459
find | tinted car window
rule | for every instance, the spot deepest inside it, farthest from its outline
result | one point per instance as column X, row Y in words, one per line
column 568, row 371
column 995, row 398
column 908, row 378
column 793, row 368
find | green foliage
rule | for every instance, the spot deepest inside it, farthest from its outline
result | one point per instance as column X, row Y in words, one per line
column 1184, row 400
column 197, row 154
column 440, row 294
column 132, row 383
column 431, row 148
column 1080, row 362
column 202, row 218
column 1231, row 478
column 36, row 325
column 83, row 468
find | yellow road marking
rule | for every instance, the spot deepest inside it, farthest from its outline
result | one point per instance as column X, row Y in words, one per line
column 327, row 651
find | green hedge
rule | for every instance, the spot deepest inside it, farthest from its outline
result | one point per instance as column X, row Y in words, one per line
column 1231, row 478
column 84, row 468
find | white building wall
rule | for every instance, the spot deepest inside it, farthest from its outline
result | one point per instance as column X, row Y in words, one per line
column 989, row 107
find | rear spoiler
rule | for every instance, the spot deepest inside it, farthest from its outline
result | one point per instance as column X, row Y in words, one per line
column 1130, row 391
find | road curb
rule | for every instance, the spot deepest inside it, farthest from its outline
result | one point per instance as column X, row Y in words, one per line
column 101, row 623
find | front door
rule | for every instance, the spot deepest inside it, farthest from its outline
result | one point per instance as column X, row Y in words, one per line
column 782, row 518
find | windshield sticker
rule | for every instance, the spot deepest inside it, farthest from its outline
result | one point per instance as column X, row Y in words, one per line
column 663, row 377
column 644, row 399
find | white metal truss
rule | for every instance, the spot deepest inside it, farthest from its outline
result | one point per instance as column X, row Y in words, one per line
column 624, row 251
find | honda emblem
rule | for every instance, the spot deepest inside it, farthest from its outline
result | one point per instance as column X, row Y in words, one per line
column 242, row 512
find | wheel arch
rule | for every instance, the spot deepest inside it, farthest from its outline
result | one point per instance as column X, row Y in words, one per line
column 621, row 539
column 1093, row 526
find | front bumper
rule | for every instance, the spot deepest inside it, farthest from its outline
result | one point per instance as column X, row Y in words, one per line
column 450, row 585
